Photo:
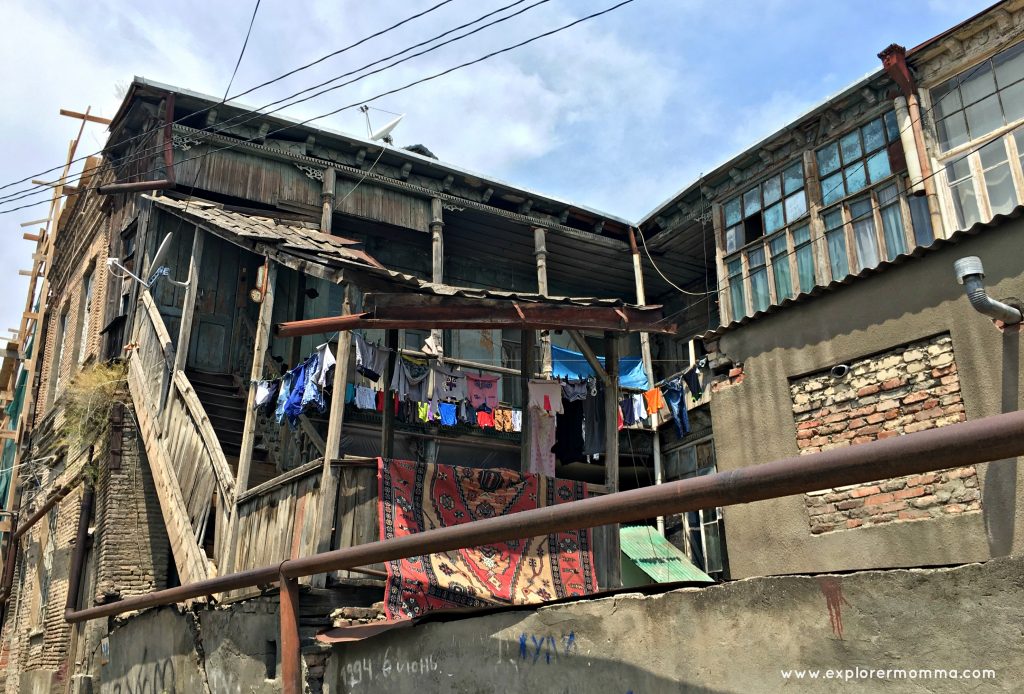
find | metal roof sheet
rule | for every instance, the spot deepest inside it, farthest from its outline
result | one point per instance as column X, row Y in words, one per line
column 657, row 557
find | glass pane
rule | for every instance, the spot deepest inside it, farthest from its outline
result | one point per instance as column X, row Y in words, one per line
column 921, row 218
column 878, row 166
column 783, row 278
column 833, row 219
column 952, row 131
column 773, row 220
column 992, row 154
column 832, row 188
column 732, row 212
column 1013, row 102
column 777, row 245
column 837, row 254
column 828, row 159
column 801, row 235
column 867, row 242
column 751, row 202
column 860, row 209
column 977, row 84
column 946, row 99
column 755, row 257
column 805, row 268
column 892, row 226
column 739, row 303
column 772, row 190
column 959, row 169
column 892, row 129
column 1009, row 65
column 793, row 178
column 732, row 239
column 856, row 177
column 735, row 267
column 984, row 116
column 849, row 144
column 965, row 203
column 888, row 194
column 759, row 289
column 874, row 136
column 796, row 206
column 999, row 184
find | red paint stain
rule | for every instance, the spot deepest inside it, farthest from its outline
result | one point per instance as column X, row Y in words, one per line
column 832, row 589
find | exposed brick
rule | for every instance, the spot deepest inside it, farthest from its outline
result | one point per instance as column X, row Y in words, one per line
column 864, row 491
column 868, row 390
column 914, row 514
column 876, row 499
column 894, row 383
column 887, row 434
column 915, row 397
column 808, row 424
column 909, row 492
column 849, row 503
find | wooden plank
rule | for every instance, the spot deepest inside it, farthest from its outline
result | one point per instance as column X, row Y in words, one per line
column 610, row 547
column 85, row 117
column 589, row 355
column 336, row 418
column 188, row 308
column 205, row 430
column 282, row 480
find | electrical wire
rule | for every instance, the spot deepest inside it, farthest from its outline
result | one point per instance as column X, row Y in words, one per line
column 396, row 90
column 254, row 114
column 241, row 53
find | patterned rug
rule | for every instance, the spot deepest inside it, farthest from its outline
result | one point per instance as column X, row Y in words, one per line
column 416, row 496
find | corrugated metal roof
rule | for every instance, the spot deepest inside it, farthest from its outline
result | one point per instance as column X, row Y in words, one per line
column 657, row 557
column 919, row 252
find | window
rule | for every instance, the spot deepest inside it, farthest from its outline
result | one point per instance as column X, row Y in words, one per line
column 83, row 341
column 804, row 257
column 961, row 185
column 857, row 159
column 863, row 219
column 835, row 237
column 981, row 182
column 736, row 298
column 980, row 100
column 766, row 208
column 701, row 531
column 995, row 168
column 759, row 294
column 58, row 356
column 892, row 220
column 780, row 265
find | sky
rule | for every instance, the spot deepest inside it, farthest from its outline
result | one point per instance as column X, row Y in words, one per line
column 616, row 113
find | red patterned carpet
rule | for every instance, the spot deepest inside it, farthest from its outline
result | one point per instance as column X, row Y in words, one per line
column 416, row 496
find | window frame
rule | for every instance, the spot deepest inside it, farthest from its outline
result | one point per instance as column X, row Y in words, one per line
column 976, row 174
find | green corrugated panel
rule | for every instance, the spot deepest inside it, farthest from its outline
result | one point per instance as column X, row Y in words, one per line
column 657, row 557
column 14, row 414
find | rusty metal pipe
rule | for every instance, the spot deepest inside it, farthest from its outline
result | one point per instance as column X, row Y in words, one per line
column 968, row 443
column 55, row 498
column 9, row 559
column 78, row 556
column 291, row 655
column 164, row 183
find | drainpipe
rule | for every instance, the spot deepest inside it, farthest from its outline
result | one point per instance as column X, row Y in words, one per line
column 645, row 354
column 168, row 180
column 894, row 61
column 78, row 557
column 909, row 142
column 9, row 560
column 971, row 274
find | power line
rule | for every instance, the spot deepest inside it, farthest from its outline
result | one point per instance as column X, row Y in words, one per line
column 248, row 91
column 259, row 112
column 397, row 89
column 245, row 43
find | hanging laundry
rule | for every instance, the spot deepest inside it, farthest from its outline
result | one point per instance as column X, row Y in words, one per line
column 366, row 398
column 325, row 365
column 568, row 446
column 282, row 396
column 484, row 419
column 546, row 396
column 350, row 393
column 447, row 410
column 410, row 379
column 673, row 392
column 574, row 391
column 371, row 360
column 542, row 438
column 312, row 395
column 293, row 405
column 449, row 384
column 692, row 380
column 594, row 422
column 503, row 419
column 639, row 408
column 482, row 391
column 517, row 420
column 627, row 411
column 422, row 412
column 266, row 395
column 654, row 399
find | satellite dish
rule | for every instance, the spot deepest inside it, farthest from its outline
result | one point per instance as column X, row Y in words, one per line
column 383, row 133
column 158, row 259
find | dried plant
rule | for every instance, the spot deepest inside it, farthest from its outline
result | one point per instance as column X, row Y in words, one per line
column 88, row 402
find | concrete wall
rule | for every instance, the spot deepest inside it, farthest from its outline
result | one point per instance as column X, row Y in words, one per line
column 754, row 420
column 735, row 637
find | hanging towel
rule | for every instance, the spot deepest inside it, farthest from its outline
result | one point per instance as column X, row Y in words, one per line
column 366, row 398
column 482, row 391
column 350, row 393
column 517, row 420
column 546, row 396
column 410, row 379
column 503, row 419
column 639, row 408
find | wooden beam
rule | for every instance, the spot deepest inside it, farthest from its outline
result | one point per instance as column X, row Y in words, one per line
column 34, row 222
column 336, row 418
column 327, row 194
column 613, row 578
column 32, row 237
column 526, row 340
column 540, row 252
column 85, row 117
column 589, row 355
column 188, row 308
column 26, row 273
column 387, row 429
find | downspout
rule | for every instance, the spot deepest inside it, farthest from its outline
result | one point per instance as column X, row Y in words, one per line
column 168, row 180
column 78, row 557
column 894, row 61
column 9, row 559
column 970, row 273
column 645, row 355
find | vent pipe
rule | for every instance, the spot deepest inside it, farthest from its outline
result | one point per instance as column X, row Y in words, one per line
column 971, row 274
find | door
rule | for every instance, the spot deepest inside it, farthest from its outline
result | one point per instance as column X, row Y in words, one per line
column 213, row 324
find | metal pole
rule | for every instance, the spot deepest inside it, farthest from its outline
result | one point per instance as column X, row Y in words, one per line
column 995, row 438
column 387, row 422
column 291, row 656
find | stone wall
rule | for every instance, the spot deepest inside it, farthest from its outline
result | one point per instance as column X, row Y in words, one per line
column 904, row 390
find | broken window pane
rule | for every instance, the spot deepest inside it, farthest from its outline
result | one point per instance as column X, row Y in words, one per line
column 874, row 136
column 793, row 178
column 977, row 84
column 849, row 144
column 773, row 219
column 832, row 188
column 984, row 116
column 751, row 202
column 878, row 166
column 732, row 212
column 828, row 159
column 772, row 190
column 856, row 177
column 796, row 206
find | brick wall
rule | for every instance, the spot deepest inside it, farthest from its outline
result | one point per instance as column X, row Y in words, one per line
column 908, row 389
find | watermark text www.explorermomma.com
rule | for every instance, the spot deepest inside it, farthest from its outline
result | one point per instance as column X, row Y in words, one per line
column 863, row 673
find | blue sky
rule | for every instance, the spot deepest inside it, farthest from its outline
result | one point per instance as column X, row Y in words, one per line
column 616, row 114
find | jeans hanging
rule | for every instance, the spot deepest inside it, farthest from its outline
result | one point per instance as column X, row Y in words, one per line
column 675, row 398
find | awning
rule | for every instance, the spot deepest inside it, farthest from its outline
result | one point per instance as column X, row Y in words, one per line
column 573, row 365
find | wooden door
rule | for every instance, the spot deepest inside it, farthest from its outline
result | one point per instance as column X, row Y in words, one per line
column 213, row 326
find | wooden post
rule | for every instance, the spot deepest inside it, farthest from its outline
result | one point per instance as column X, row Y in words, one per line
column 291, row 655
column 437, row 270
column 188, row 306
column 336, row 419
column 613, row 578
column 327, row 200
column 387, row 427
column 527, row 368
column 540, row 251
column 264, row 325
